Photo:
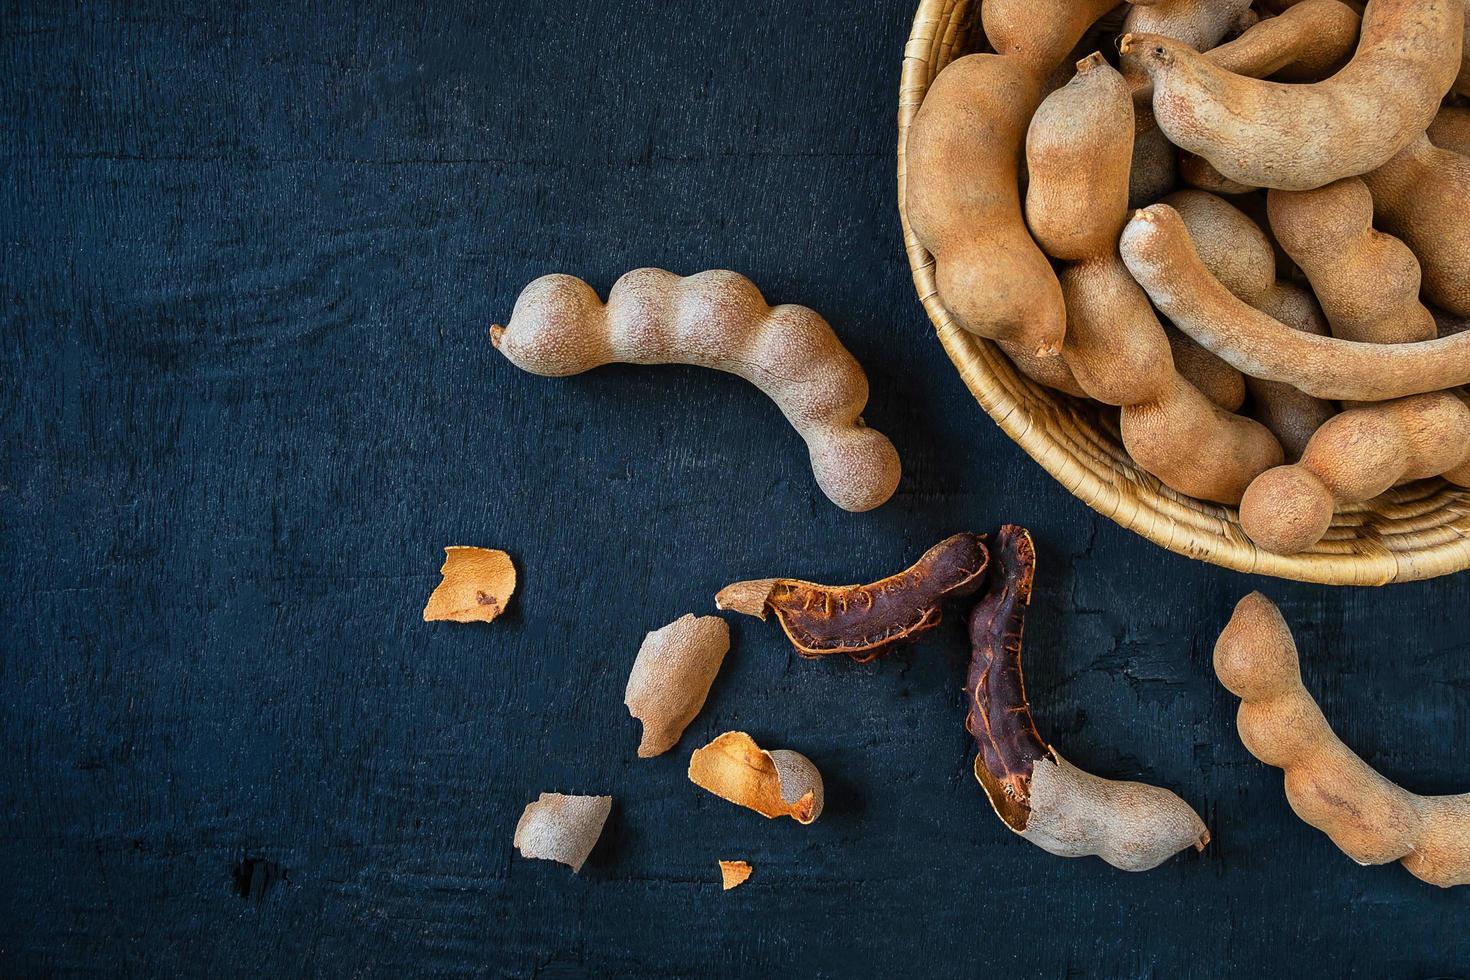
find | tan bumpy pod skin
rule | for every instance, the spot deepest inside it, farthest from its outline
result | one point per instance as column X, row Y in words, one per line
column 1353, row 458
column 1078, row 152
column 477, row 584
column 562, row 828
column 1422, row 195
column 1370, row 818
column 1366, row 281
column 1451, row 129
column 672, row 676
column 1297, row 137
column 1033, row 790
column 1159, row 253
column 716, row 320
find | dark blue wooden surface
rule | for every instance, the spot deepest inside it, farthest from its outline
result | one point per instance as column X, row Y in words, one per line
column 249, row 255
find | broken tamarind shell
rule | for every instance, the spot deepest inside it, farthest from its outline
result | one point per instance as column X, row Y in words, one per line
column 733, row 874
column 557, row 827
column 1034, row 791
column 778, row 783
column 671, row 678
column 477, row 584
column 864, row 621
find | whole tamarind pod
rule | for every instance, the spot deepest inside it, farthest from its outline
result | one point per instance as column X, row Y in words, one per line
column 1422, row 195
column 1160, row 254
column 716, row 320
column 1369, row 818
column 1305, row 43
column 1296, row 137
column 1201, row 24
column 1353, row 458
column 1451, row 129
column 1035, row 792
column 1366, row 281
column 962, row 158
column 964, row 206
column 1078, row 152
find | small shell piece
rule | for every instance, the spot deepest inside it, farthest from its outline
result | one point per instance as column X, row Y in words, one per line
column 562, row 828
column 477, row 584
column 671, row 678
column 733, row 874
column 778, row 783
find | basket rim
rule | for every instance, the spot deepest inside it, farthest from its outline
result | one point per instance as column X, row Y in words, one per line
column 1365, row 546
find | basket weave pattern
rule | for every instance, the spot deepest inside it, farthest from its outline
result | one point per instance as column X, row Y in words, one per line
column 1416, row 531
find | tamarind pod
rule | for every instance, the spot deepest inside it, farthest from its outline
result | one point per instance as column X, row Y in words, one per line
column 716, row 320
column 1077, row 153
column 1291, row 414
column 1355, row 457
column 1154, row 169
column 1306, row 42
column 1039, row 34
column 1197, row 173
column 1216, row 380
column 1366, row 281
column 1369, row 818
column 1451, row 129
column 1462, row 80
column 1035, row 792
column 1422, row 195
column 1049, row 371
column 1161, row 257
column 964, row 205
column 1201, row 24
column 1296, row 137
column 865, row 621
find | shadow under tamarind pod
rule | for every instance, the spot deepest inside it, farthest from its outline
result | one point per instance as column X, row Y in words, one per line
column 1033, row 790
column 865, row 621
column 1372, row 820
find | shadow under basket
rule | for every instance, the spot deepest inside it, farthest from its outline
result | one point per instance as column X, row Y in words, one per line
column 1416, row 531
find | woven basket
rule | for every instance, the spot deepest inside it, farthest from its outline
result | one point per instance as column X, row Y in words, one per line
column 1416, row 531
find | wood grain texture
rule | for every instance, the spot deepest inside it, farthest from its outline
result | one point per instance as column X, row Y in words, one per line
column 249, row 256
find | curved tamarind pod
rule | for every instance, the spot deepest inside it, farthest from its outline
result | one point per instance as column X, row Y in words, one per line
column 716, row 320
column 1291, row 414
column 1201, row 24
column 1422, row 195
column 1296, row 137
column 1355, row 457
column 1369, row 818
column 1077, row 153
column 1039, row 34
column 1034, row 791
column 1305, row 43
column 1154, row 171
column 964, row 206
column 1366, row 281
column 1197, row 172
column 1451, row 129
column 1159, row 253
column 865, row 621
column 1050, row 370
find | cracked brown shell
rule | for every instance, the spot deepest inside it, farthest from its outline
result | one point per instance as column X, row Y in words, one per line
column 865, row 621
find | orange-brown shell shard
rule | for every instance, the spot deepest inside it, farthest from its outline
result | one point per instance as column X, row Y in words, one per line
column 778, row 783
column 477, row 584
column 733, row 874
column 864, row 621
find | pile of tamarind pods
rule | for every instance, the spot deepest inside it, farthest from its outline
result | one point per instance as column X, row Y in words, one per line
column 1244, row 224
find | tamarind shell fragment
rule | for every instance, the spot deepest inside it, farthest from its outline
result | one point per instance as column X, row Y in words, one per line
column 865, row 621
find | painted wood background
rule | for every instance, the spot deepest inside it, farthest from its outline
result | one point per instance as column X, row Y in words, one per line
column 249, row 255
